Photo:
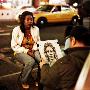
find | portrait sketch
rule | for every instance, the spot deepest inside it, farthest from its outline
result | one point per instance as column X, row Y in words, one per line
column 50, row 51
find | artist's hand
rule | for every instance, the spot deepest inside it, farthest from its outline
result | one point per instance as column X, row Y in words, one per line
column 42, row 62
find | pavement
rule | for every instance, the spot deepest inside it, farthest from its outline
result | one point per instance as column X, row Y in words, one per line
column 6, row 53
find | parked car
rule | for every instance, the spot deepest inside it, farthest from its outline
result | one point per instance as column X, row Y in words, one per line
column 21, row 9
column 55, row 13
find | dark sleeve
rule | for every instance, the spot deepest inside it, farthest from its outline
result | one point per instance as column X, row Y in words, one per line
column 59, row 75
column 49, row 75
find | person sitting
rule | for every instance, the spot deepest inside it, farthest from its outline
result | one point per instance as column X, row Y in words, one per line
column 63, row 74
column 24, row 43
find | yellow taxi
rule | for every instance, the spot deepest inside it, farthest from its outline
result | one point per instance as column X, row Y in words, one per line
column 55, row 13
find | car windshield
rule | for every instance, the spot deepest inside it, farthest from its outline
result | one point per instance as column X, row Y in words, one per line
column 24, row 7
column 65, row 8
column 46, row 8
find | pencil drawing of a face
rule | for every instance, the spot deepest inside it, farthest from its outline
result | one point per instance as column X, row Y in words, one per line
column 50, row 52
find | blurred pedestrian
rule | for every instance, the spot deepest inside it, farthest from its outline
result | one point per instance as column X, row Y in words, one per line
column 81, row 14
column 24, row 44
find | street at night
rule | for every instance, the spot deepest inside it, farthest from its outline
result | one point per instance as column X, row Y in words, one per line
column 49, row 32
column 52, row 17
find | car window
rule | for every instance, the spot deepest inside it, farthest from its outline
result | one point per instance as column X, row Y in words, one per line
column 57, row 8
column 46, row 8
column 64, row 8
column 26, row 7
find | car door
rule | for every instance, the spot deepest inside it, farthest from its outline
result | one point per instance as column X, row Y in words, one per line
column 60, row 14
column 66, row 13
column 53, row 16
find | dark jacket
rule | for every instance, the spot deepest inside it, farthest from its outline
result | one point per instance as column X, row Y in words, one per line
column 64, row 73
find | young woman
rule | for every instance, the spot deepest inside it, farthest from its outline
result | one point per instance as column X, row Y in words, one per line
column 24, row 43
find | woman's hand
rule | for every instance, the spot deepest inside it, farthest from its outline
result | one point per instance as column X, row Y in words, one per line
column 31, row 53
column 24, row 41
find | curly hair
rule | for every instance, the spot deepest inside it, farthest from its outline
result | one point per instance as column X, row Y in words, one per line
column 49, row 45
column 22, row 18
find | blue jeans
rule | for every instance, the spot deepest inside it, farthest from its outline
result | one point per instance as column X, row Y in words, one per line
column 29, row 63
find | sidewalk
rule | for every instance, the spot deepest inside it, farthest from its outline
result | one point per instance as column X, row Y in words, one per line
column 6, row 51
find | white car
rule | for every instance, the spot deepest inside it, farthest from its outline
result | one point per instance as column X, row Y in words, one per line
column 21, row 9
